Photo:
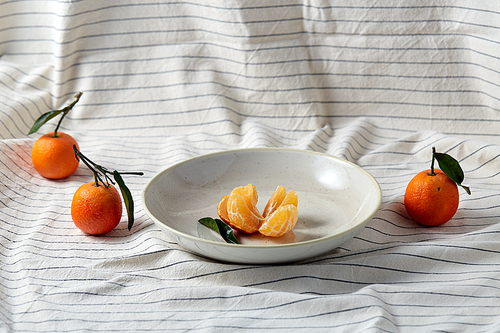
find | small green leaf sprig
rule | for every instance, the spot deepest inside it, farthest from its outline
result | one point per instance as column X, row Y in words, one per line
column 101, row 172
column 221, row 228
column 450, row 167
column 51, row 114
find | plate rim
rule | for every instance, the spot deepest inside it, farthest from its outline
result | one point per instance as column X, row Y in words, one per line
column 272, row 246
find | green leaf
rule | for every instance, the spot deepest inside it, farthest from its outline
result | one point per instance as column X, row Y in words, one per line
column 51, row 114
column 221, row 228
column 452, row 169
column 43, row 119
column 127, row 198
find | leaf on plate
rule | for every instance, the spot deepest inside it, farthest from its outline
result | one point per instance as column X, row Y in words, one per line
column 221, row 228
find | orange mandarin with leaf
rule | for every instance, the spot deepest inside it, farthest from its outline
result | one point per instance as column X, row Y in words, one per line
column 96, row 207
column 52, row 154
column 431, row 197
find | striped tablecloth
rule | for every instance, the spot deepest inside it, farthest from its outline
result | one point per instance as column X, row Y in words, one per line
column 378, row 83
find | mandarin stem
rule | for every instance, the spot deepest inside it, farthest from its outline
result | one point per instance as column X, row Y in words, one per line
column 59, row 124
column 80, row 156
column 66, row 110
column 432, row 163
column 96, row 169
column 137, row 173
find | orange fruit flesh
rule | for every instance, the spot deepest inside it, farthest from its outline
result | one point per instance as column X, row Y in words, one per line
column 239, row 210
column 283, row 218
column 290, row 199
column 281, row 221
column 275, row 200
column 222, row 209
column 242, row 213
column 249, row 193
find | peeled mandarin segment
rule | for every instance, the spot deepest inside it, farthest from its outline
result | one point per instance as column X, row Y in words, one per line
column 275, row 201
column 280, row 222
column 291, row 198
column 250, row 194
column 222, row 209
column 240, row 215
column 239, row 209
column 240, row 190
column 251, row 198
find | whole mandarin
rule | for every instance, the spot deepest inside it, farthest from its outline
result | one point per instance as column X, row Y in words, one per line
column 54, row 157
column 96, row 210
column 431, row 199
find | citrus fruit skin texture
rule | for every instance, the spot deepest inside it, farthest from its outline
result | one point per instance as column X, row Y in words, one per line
column 96, row 210
column 431, row 200
column 54, row 157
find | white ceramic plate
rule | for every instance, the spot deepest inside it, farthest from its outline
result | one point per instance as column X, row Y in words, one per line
column 336, row 200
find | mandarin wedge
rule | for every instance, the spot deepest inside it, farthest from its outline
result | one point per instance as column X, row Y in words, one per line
column 239, row 210
column 222, row 209
column 275, row 201
column 241, row 216
column 290, row 199
column 281, row 213
column 250, row 194
column 281, row 221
